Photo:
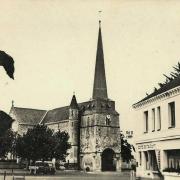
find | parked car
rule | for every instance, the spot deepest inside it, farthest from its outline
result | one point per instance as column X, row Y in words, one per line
column 42, row 168
column 59, row 166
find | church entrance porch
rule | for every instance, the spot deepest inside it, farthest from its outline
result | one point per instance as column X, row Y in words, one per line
column 107, row 160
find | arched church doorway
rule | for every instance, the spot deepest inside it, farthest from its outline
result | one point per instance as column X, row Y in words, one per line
column 108, row 163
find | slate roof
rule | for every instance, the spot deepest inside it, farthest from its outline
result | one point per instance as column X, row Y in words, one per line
column 172, row 84
column 29, row 116
column 34, row 116
column 60, row 114
column 56, row 115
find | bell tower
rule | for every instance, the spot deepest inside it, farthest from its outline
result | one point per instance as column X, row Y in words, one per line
column 100, row 131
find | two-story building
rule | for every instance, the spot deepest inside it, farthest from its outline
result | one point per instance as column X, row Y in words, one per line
column 158, row 139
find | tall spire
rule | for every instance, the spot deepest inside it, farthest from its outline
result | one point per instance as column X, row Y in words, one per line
column 100, row 87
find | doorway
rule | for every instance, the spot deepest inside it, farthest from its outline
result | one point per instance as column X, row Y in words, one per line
column 108, row 162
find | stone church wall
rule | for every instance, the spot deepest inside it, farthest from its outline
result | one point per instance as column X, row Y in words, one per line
column 96, row 136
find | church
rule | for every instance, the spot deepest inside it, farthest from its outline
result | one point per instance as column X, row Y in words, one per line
column 93, row 126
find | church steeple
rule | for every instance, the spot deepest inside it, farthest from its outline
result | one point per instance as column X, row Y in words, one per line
column 100, row 87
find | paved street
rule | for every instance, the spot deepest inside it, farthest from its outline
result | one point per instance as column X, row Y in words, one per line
column 76, row 176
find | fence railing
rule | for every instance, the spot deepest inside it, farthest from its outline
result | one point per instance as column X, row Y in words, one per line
column 14, row 177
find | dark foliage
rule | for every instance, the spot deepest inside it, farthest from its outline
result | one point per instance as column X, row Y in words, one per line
column 61, row 145
column 6, row 135
column 8, row 63
column 126, row 149
column 41, row 143
column 173, row 75
column 5, row 122
column 168, row 78
column 6, row 142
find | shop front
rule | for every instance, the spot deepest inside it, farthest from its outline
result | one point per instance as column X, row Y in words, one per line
column 157, row 159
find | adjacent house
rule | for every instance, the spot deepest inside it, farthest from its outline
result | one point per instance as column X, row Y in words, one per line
column 158, row 140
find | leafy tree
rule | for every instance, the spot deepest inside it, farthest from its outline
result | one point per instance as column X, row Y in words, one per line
column 177, row 69
column 6, row 142
column 8, row 63
column 160, row 85
column 61, row 145
column 173, row 75
column 41, row 143
column 6, row 134
column 5, row 122
column 36, row 144
column 155, row 89
column 126, row 149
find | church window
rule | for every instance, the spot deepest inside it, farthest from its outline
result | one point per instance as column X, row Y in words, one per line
column 108, row 106
column 88, row 121
column 71, row 112
column 108, row 120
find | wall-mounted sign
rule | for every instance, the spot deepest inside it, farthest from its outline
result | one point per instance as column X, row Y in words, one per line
column 148, row 146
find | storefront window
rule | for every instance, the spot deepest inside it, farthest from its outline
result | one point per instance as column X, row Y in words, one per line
column 146, row 160
column 153, row 160
column 173, row 159
column 140, row 158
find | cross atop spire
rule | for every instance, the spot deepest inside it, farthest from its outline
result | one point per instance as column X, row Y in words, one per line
column 12, row 103
column 100, row 87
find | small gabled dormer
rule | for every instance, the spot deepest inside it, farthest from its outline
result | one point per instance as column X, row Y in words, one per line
column 73, row 109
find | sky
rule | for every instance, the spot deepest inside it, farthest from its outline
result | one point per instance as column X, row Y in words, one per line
column 53, row 43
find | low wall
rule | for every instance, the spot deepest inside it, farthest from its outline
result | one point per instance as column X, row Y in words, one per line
column 171, row 176
column 9, row 165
